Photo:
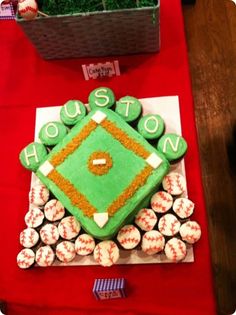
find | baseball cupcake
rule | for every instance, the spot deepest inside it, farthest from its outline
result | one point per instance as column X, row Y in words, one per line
column 54, row 210
column 29, row 237
column 129, row 236
column 174, row 183
column 161, row 201
column 38, row 195
column 190, row 232
column 153, row 242
column 49, row 234
column 146, row 219
column 169, row 225
column 175, row 250
column 84, row 244
column 65, row 251
column 34, row 218
column 69, row 227
column 106, row 253
column 25, row 258
column 44, row 256
column 183, row 207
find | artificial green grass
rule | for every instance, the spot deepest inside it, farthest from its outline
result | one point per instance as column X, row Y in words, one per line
column 55, row 7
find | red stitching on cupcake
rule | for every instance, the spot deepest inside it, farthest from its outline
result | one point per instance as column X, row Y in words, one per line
column 164, row 196
column 163, row 224
column 178, row 182
column 41, row 193
column 31, row 237
column 169, row 183
column 127, row 230
column 84, row 249
column 173, row 227
column 129, row 239
column 193, row 226
column 22, row 238
column 52, row 207
column 32, row 195
column 98, row 254
column 110, row 252
column 47, row 257
column 158, row 205
column 73, row 225
column 64, row 230
column 86, row 241
column 67, row 248
column 188, row 210
column 153, row 238
column 172, row 249
column 181, row 248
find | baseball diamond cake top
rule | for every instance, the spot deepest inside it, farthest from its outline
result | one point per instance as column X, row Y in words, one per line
column 103, row 171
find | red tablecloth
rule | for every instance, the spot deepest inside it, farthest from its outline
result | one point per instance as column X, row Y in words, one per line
column 27, row 82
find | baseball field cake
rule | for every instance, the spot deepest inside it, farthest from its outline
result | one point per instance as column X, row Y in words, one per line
column 103, row 171
column 104, row 184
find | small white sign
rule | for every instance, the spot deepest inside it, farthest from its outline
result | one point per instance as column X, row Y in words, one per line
column 101, row 70
column 6, row 11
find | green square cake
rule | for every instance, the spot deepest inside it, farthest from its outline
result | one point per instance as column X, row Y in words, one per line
column 103, row 171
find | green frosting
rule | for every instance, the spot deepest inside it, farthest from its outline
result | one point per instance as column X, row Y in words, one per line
column 129, row 108
column 52, row 133
column 172, row 146
column 151, row 126
column 33, row 155
column 102, row 191
column 72, row 112
column 102, row 97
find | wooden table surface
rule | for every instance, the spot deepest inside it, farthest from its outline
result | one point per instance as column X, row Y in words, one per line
column 211, row 39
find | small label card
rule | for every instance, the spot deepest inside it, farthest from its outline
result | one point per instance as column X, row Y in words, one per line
column 104, row 289
column 6, row 11
column 101, row 70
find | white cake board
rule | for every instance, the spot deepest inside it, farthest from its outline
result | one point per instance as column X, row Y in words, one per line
column 168, row 108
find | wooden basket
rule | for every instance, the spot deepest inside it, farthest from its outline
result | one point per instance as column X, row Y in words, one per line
column 106, row 33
